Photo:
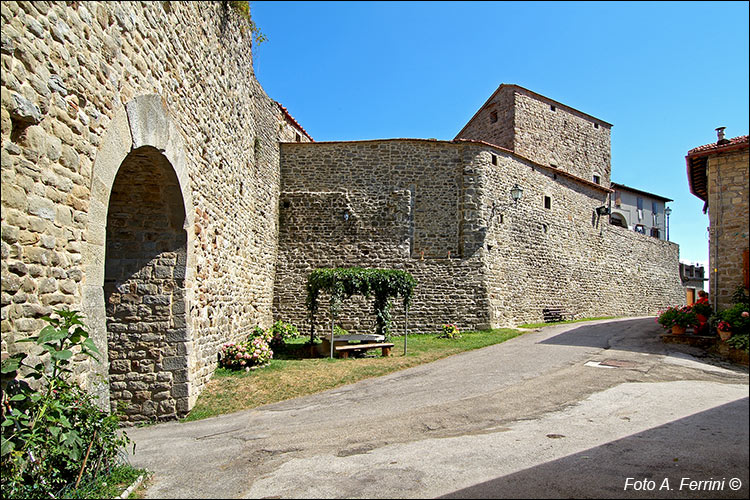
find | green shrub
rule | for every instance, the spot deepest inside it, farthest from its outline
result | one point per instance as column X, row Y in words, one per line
column 449, row 331
column 281, row 332
column 738, row 317
column 677, row 316
column 739, row 341
column 52, row 435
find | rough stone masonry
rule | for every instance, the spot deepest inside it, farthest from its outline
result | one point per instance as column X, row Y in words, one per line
column 149, row 181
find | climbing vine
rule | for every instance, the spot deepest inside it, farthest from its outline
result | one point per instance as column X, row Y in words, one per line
column 342, row 283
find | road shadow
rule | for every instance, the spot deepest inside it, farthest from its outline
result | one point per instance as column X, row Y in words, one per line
column 636, row 335
column 708, row 446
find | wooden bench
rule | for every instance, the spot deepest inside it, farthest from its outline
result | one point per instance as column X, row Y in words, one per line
column 344, row 349
column 554, row 314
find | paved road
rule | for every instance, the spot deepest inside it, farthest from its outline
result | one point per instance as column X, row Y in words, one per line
column 539, row 416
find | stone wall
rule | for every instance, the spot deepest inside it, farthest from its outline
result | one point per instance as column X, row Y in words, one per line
column 728, row 204
column 544, row 131
column 83, row 84
column 566, row 257
column 403, row 198
column 512, row 260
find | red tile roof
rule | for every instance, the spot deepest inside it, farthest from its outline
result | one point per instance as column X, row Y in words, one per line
column 294, row 122
column 715, row 147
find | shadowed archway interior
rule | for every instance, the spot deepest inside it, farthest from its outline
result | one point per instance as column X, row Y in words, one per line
column 144, row 289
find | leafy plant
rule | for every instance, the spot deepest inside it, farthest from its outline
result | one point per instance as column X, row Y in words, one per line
column 248, row 355
column 243, row 9
column 342, row 283
column 49, row 435
column 449, row 331
column 677, row 316
column 702, row 308
column 281, row 332
column 737, row 318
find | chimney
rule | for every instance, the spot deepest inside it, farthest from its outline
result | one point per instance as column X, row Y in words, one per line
column 720, row 136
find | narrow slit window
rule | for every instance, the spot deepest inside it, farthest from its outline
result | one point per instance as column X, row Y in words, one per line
column 547, row 202
column 494, row 159
column 493, row 116
column 597, row 179
column 297, row 137
column 596, row 125
column 553, row 108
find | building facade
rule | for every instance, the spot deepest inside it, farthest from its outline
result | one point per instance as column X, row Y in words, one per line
column 693, row 279
column 639, row 211
column 718, row 175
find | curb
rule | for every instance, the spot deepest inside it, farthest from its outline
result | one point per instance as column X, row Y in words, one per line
column 133, row 486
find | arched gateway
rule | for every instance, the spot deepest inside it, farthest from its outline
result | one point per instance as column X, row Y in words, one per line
column 138, row 262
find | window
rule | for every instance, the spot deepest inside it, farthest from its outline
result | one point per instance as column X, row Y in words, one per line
column 297, row 138
column 596, row 125
column 654, row 207
column 655, row 232
column 640, row 228
column 597, row 179
column 547, row 202
column 494, row 159
column 553, row 108
column 553, row 165
column 493, row 117
column 618, row 199
column 639, row 203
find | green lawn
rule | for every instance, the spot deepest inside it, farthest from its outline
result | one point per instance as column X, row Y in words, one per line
column 293, row 373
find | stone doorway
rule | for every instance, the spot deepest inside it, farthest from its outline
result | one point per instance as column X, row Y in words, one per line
column 144, row 289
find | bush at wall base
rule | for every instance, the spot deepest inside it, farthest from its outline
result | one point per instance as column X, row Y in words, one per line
column 54, row 436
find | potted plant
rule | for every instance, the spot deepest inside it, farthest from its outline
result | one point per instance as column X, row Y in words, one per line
column 735, row 320
column 702, row 312
column 677, row 319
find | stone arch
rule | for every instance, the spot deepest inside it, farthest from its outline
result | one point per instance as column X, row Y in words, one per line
column 617, row 219
column 142, row 143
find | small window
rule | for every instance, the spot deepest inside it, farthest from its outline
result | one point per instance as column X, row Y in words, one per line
column 596, row 125
column 597, row 179
column 494, row 159
column 654, row 207
column 501, row 218
column 618, row 199
column 297, row 138
column 493, row 117
column 547, row 202
column 655, row 232
column 640, row 228
column 553, row 165
column 552, row 107
column 639, row 203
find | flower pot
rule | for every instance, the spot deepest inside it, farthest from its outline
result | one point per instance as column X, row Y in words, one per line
column 701, row 318
column 725, row 335
column 678, row 330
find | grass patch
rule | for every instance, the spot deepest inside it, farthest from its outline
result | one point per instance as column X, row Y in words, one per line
column 542, row 325
column 292, row 373
column 107, row 485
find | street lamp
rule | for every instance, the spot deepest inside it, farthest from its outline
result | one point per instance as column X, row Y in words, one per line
column 515, row 193
column 667, row 212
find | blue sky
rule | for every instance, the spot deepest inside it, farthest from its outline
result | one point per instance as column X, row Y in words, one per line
column 664, row 74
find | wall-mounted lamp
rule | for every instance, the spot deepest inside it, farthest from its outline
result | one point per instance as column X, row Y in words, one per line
column 515, row 193
column 602, row 211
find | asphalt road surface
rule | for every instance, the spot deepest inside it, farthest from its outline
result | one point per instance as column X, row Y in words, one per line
column 601, row 409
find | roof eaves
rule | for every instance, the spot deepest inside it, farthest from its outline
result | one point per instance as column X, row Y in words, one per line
column 294, row 122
